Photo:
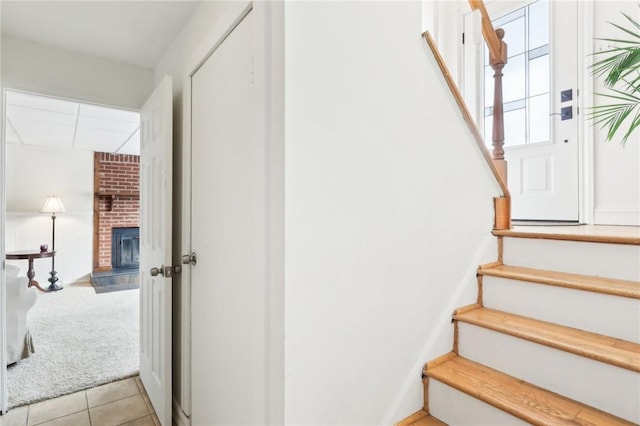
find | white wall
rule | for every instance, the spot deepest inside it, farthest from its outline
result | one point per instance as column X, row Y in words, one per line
column 57, row 72
column 32, row 174
column 617, row 168
column 388, row 205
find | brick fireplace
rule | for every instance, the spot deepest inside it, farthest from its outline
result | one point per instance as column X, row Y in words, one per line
column 116, row 202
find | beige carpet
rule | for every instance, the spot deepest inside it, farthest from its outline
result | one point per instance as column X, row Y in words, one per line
column 82, row 339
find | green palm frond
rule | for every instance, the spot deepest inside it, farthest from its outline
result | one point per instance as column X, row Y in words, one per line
column 614, row 115
column 619, row 69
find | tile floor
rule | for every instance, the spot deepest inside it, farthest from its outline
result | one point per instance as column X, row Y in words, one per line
column 124, row 402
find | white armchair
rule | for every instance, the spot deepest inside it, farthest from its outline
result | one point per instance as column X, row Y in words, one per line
column 20, row 299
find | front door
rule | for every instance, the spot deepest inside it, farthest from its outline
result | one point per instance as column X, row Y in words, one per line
column 155, row 248
column 540, row 104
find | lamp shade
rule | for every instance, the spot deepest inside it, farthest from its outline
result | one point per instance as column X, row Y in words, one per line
column 53, row 204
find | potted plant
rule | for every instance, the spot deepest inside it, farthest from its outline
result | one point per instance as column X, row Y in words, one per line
column 619, row 68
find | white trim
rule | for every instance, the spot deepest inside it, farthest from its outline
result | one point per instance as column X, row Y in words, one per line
column 233, row 14
column 4, row 397
column 271, row 39
column 76, row 101
column 179, row 417
column 586, row 131
column 185, row 320
column 617, row 216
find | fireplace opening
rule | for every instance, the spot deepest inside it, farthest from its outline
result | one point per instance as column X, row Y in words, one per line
column 125, row 248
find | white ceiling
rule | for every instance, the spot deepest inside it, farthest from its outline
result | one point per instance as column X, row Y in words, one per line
column 135, row 32
column 56, row 123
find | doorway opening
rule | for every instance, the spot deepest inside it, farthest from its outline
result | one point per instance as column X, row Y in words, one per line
column 82, row 337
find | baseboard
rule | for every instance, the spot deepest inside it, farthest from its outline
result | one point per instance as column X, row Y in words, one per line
column 617, row 216
column 179, row 418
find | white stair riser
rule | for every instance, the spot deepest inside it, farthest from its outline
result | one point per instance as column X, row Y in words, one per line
column 612, row 316
column 456, row 408
column 600, row 385
column 598, row 259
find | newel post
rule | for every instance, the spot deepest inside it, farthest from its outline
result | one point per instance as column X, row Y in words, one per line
column 497, row 60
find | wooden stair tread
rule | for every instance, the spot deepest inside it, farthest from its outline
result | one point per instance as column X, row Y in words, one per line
column 420, row 418
column 609, row 286
column 576, row 234
column 516, row 397
column 429, row 421
column 601, row 348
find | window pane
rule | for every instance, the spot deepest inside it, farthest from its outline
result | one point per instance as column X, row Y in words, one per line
column 488, row 87
column 488, row 129
column 526, row 76
column 539, row 75
column 515, row 129
column 513, row 81
column 538, row 24
column 539, row 118
column 514, row 36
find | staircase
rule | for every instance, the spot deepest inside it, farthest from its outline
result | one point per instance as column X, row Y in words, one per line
column 554, row 338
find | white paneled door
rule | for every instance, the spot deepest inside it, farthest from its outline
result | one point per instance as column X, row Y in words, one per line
column 540, row 103
column 228, row 233
column 155, row 248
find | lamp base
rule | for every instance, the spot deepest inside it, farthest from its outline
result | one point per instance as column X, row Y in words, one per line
column 53, row 282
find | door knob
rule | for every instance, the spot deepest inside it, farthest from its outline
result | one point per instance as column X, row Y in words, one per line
column 157, row 271
column 189, row 258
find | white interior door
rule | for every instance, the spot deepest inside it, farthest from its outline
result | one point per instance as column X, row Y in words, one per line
column 155, row 248
column 541, row 141
column 228, row 234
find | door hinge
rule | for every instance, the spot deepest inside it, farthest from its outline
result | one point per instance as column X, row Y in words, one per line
column 462, row 38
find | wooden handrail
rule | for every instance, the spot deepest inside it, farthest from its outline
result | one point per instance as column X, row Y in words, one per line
column 466, row 115
column 488, row 32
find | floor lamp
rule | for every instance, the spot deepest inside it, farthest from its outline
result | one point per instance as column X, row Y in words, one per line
column 53, row 205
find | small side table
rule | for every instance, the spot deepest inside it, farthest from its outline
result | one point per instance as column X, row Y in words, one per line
column 31, row 273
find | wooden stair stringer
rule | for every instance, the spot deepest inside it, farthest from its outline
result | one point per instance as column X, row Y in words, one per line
column 621, row 353
column 521, row 399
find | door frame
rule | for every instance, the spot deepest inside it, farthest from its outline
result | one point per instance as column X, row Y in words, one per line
column 586, row 130
column 585, row 84
column 4, row 397
column 269, row 56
